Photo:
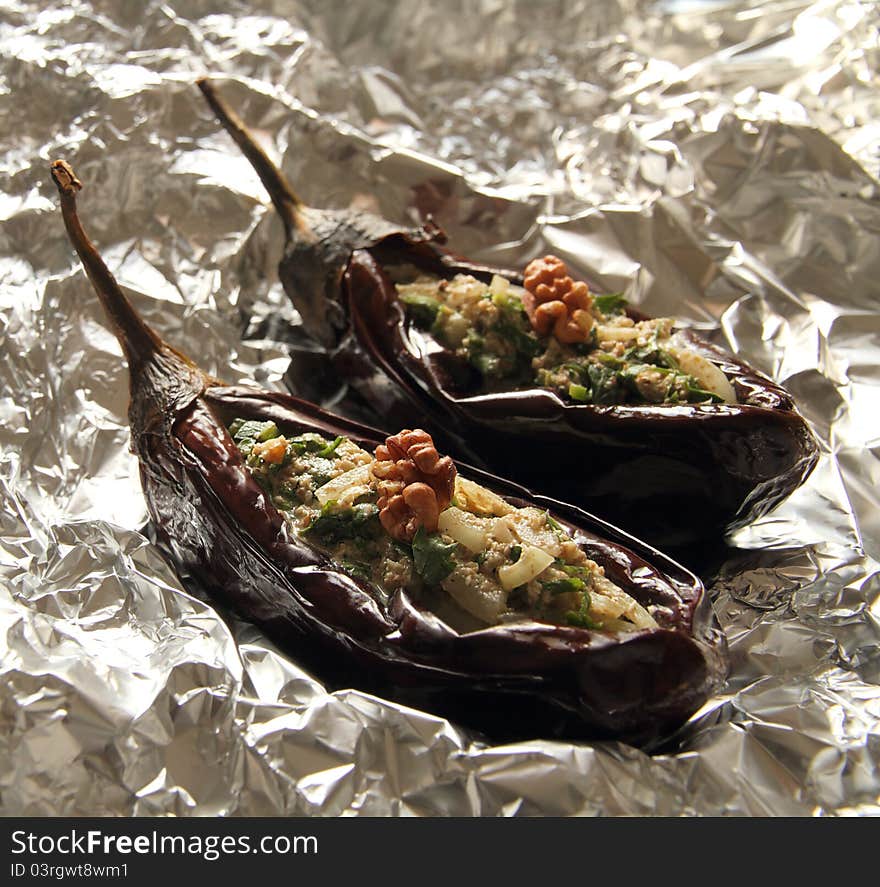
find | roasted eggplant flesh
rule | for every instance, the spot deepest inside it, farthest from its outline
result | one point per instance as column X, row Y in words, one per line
column 317, row 579
column 635, row 418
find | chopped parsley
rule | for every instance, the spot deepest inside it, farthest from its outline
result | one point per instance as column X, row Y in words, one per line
column 423, row 309
column 247, row 433
column 580, row 618
column 332, row 525
column 565, row 586
column 610, row 303
column 432, row 556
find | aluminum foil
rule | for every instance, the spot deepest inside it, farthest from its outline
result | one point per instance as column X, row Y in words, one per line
column 716, row 160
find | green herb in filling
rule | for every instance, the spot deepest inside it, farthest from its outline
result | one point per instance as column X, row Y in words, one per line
column 604, row 384
column 610, row 360
column 423, row 309
column 565, row 586
column 330, row 449
column 556, row 527
column 610, row 303
column 285, row 497
column 247, row 433
column 695, row 394
column 358, row 522
column 308, row 443
column 651, row 353
column 514, row 326
column 486, row 362
column 579, row 392
column 432, row 556
column 580, row 618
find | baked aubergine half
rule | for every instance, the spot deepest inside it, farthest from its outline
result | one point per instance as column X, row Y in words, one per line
column 635, row 418
column 374, row 561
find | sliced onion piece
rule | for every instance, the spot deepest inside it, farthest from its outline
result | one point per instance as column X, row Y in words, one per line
column 478, row 499
column 705, row 372
column 483, row 599
column 529, row 525
column 608, row 602
column 618, row 625
column 499, row 285
column 333, row 489
column 531, row 563
column 462, row 528
column 617, row 333
column 501, row 530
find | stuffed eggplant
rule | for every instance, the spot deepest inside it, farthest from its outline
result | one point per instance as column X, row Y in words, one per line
column 373, row 560
column 635, row 418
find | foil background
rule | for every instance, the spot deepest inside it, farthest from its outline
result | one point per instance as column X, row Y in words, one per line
column 717, row 160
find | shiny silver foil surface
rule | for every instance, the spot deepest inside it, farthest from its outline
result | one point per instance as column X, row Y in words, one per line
column 716, row 160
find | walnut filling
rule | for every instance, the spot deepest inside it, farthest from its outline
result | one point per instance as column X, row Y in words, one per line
column 555, row 334
column 471, row 557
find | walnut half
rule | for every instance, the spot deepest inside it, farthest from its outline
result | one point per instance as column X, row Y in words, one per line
column 554, row 302
column 414, row 483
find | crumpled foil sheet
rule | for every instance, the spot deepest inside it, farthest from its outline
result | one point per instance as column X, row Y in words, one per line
column 717, row 160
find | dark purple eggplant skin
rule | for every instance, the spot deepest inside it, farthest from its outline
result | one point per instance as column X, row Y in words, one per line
column 527, row 679
column 674, row 475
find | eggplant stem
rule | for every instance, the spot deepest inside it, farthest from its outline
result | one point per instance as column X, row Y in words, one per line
column 138, row 341
column 284, row 198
